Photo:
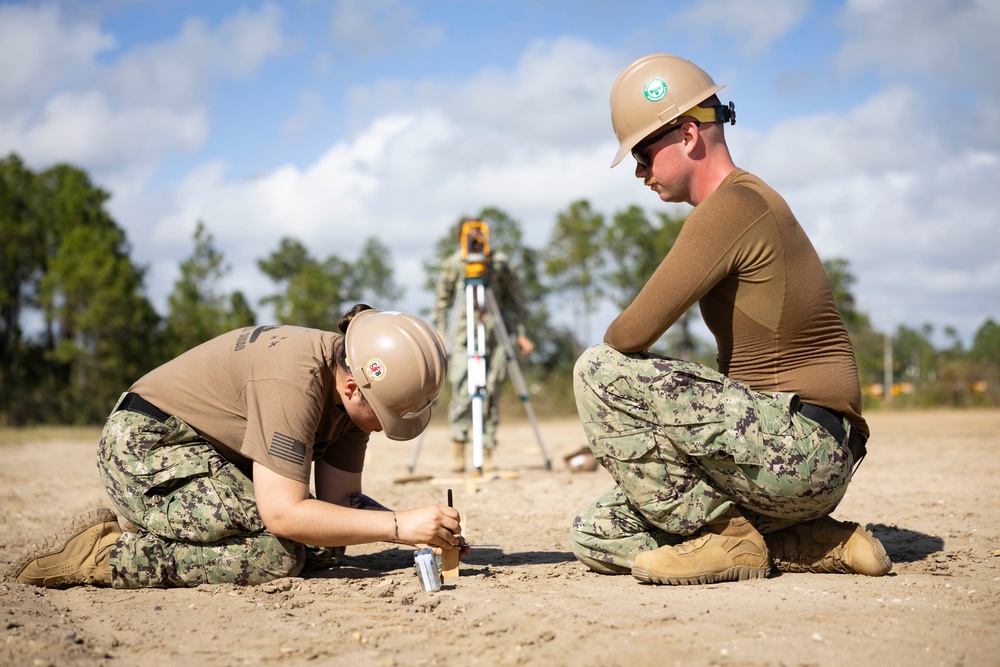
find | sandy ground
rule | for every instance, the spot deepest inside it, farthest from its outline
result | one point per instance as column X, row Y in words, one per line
column 930, row 490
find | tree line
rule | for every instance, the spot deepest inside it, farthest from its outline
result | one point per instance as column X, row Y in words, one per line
column 77, row 326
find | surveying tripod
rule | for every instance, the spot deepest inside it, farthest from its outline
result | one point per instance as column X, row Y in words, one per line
column 479, row 300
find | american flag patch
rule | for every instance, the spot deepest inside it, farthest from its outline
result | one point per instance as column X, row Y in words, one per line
column 287, row 448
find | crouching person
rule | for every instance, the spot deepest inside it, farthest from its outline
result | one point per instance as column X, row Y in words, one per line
column 209, row 458
column 721, row 474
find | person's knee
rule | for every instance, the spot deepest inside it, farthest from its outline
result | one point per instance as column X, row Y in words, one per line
column 586, row 365
column 581, row 372
column 273, row 558
column 595, row 560
column 586, row 360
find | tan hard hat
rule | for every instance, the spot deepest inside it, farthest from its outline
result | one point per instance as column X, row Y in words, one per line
column 651, row 93
column 399, row 362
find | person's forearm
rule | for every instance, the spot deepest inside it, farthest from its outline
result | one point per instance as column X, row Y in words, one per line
column 334, row 518
column 360, row 501
column 324, row 524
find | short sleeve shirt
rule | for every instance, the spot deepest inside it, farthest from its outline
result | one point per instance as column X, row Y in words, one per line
column 264, row 394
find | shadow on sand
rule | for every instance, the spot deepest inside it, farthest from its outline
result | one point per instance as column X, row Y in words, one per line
column 904, row 545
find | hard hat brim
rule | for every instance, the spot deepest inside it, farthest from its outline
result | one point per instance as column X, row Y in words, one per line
column 396, row 428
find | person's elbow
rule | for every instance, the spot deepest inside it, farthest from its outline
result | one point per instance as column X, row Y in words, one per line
column 616, row 343
column 279, row 502
column 278, row 520
column 624, row 343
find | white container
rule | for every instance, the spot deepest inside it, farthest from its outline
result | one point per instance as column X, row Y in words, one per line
column 427, row 569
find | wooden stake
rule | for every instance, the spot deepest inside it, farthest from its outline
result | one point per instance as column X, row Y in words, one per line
column 449, row 563
column 449, row 557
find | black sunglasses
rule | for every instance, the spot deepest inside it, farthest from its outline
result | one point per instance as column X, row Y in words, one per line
column 640, row 150
column 723, row 114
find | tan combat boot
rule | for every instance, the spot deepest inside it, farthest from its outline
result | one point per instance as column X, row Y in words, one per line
column 729, row 549
column 828, row 546
column 78, row 554
column 458, row 457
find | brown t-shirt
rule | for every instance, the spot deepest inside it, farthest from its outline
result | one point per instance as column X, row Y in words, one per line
column 763, row 293
column 262, row 394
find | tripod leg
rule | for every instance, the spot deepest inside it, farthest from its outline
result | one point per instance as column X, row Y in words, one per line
column 515, row 372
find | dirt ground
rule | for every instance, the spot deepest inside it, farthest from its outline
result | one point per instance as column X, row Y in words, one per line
column 929, row 489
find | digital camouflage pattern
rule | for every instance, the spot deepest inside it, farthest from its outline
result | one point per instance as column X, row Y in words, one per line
column 460, row 405
column 450, row 289
column 683, row 444
column 195, row 511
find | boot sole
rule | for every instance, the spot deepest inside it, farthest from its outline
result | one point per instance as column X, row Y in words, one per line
column 738, row 573
column 57, row 542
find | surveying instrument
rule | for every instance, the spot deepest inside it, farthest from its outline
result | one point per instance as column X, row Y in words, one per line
column 479, row 300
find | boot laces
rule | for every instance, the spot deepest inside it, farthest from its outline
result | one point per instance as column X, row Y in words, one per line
column 812, row 557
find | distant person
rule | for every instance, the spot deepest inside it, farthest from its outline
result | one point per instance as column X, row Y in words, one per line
column 720, row 473
column 209, row 458
column 502, row 279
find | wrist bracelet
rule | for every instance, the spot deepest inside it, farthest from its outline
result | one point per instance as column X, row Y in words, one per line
column 395, row 528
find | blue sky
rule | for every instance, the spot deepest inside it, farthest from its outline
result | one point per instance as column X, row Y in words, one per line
column 878, row 120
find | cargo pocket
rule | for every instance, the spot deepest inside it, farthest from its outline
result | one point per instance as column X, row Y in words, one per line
column 635, row 462
column 163, row 462
column 181, row 502
column 723, row 427
column 747, row 420
column 166, row 473
column 785, row 432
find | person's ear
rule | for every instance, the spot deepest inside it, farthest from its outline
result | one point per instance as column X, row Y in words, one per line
column 691, row 136
column 350, row 387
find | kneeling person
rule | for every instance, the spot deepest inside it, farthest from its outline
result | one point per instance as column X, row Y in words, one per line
column 209, row 458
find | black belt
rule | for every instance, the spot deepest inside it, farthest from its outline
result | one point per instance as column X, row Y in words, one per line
column 136, row 403
column 833, row 422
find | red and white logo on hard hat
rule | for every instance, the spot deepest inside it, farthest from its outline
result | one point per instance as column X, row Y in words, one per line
column 376, row 369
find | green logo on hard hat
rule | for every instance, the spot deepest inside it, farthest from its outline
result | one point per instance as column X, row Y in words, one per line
column 655, row 90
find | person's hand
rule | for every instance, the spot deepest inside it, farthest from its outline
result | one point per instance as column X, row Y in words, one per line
column 432, row 526
column 464, row 548
column 526, row 344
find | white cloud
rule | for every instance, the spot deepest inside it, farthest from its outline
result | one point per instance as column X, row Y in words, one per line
column 947, row 51
column 953, row 42
column 908, row 203
column 532, row 140
column 377, row 27
column 40, row 52
column 311, row 106
column 756, row 25
column 178, row 71
column 120, row 120
column 398, row 180
column 911, row 212
column 86, row 129
column 555, row 96
column 877, row 135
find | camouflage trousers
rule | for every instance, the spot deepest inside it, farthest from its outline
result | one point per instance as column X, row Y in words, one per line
column 684, row 443
column 460, row 407
column 195, row 511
